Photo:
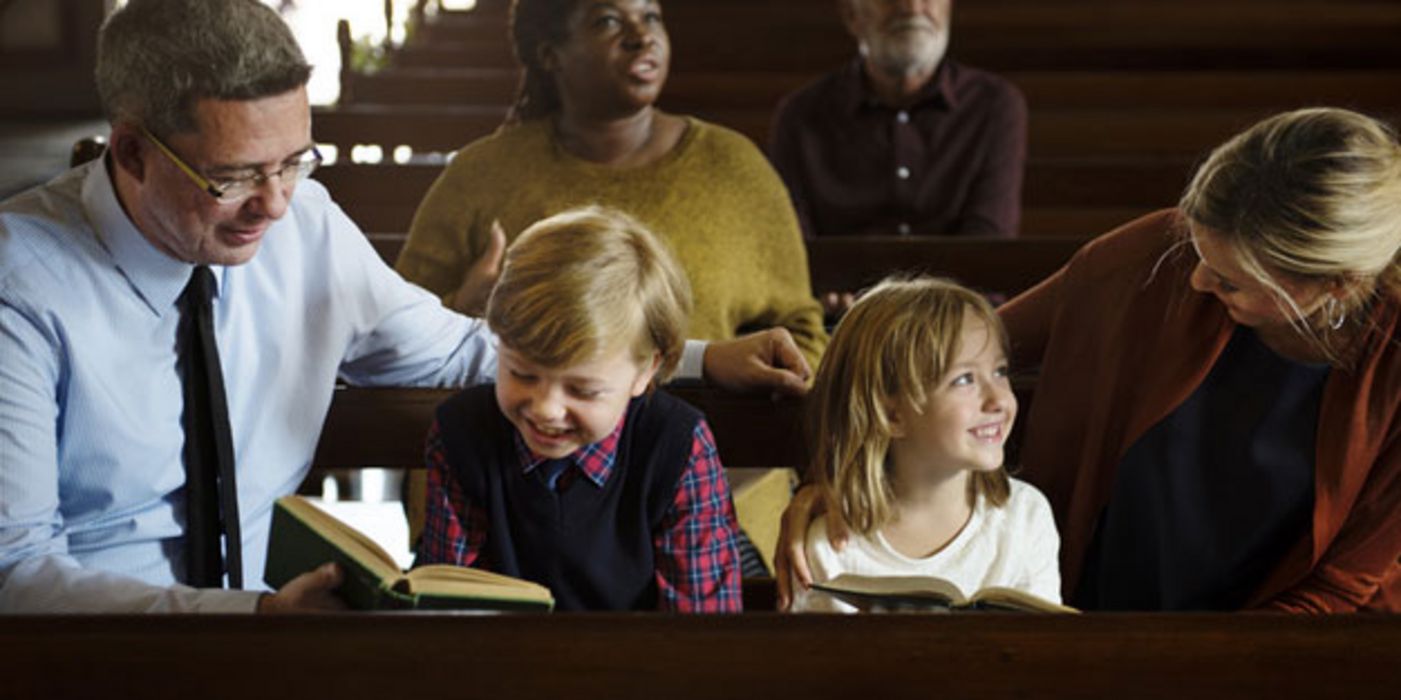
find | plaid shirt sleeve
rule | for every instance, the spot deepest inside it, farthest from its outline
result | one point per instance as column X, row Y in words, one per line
column 453, row 531
column 696, row 547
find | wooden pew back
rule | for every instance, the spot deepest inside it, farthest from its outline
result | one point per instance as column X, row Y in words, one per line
column 385, row 427
column 1052, row 134
column 681, row 657
column 737, row 34
column 1101, row 193
column 846, row 263
column 997, row 265
column 688, row 91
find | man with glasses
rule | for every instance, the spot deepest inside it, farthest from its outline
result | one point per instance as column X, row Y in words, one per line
column 236, row 188
column 184, row 306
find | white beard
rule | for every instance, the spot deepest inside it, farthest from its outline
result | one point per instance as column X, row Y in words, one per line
column 908, row 53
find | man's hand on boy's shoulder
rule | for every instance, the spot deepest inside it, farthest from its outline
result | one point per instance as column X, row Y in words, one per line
column 767, row 359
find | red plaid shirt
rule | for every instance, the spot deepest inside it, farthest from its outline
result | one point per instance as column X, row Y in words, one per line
column 697, row 558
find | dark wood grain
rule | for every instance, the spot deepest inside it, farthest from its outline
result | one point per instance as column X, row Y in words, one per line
column 753, row 655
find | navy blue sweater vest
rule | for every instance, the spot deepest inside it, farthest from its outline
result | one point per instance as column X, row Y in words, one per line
column 592, row 547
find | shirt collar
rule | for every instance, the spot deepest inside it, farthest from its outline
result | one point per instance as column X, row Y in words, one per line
column 594, row 460
column 938, row 92
column 158, row 278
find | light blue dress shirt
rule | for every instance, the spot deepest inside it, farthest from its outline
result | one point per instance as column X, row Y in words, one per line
column 91, row 463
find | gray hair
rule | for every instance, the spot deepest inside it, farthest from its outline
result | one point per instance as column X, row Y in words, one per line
column 157, row 58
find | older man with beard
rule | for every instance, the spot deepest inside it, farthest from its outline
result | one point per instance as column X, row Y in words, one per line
column 901, row 140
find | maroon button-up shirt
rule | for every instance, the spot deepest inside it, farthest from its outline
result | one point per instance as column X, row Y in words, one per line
column 949, row 163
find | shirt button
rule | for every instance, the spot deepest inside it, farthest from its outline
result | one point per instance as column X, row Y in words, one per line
column 903, row 229
column 902, row 116
column 902, row 172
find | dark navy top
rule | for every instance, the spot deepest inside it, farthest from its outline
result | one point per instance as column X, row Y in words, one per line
column 1210, row 499
column 592, row 547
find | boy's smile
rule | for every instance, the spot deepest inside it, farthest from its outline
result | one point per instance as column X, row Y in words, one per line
column 559, row 410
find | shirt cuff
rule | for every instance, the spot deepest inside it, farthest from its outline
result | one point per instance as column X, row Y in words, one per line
column 230, row 601
column 692, row 360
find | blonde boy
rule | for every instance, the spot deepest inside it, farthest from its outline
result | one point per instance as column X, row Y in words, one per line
column 572, row 471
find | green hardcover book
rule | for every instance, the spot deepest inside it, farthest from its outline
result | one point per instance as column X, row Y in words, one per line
column 304, row 537
column 930, row 593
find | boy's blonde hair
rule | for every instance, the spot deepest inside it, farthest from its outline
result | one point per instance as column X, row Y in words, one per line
column 894, row 344
column 590, row 281
column 1314, row 194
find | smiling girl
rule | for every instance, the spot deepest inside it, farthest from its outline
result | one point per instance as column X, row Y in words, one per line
column 912, row 406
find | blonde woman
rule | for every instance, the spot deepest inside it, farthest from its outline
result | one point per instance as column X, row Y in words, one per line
column 1218, row 419
column 911, row 409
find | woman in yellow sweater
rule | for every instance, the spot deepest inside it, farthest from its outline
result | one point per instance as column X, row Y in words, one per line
column 584, row 131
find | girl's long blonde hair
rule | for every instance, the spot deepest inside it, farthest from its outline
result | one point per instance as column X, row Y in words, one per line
column 892, row 346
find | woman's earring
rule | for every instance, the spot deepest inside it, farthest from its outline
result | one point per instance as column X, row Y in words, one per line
column 1334, row 313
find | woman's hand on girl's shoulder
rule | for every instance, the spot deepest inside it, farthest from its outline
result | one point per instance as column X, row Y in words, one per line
column 790, row 561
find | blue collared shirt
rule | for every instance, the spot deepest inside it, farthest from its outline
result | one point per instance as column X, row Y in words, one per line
column 91, row 463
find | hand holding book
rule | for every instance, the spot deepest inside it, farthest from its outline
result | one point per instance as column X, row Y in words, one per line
column 305, row 537
column 313, row 591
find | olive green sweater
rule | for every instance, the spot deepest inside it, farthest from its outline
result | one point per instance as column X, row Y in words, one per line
column 714, row 198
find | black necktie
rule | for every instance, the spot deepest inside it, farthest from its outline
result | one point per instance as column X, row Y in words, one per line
column 211, row 497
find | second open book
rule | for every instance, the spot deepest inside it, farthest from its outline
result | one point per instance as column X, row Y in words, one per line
column 912, row 593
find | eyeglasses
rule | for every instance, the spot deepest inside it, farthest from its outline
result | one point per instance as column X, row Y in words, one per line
column 238, row 189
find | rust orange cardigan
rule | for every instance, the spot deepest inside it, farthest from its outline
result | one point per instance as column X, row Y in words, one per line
column 1121, row 345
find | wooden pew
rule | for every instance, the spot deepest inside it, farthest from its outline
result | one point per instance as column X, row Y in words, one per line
column 1060, row 197
column 1365, row 90
column 1002, row 35
column 1052, row 134
column 1186, row 134
column 385, row 427
column 684, row 91
column 1080, row 222
column 1042, row 222
column 1202, row 656
column 1000, row 266
column 431, row 129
